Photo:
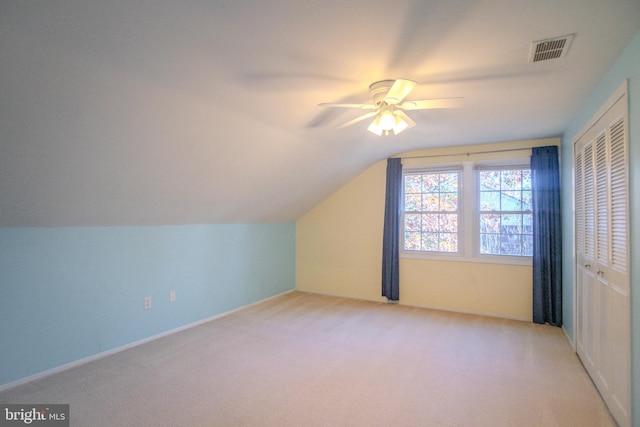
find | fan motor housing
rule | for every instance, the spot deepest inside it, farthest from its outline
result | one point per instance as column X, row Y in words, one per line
column 379, row 90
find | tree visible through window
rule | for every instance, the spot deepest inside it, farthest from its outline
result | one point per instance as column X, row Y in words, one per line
column 506, row 226
column 431, row 211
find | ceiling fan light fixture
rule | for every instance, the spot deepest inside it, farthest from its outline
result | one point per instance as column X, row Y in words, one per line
column 379, row 128
column 400, row 125
column 374, row 127
column 387, row 120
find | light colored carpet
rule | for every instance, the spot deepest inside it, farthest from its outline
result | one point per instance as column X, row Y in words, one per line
column 310, row 360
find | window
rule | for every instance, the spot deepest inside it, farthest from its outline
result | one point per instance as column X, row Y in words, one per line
column 477, row 212
column 505, row 219
column 431, row 211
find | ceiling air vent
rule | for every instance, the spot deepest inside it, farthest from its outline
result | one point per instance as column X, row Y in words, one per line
column 545, row 50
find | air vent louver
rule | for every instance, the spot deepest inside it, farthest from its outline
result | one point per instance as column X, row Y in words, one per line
column 545, row 50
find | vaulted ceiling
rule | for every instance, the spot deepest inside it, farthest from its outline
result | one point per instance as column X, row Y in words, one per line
column 175, row 112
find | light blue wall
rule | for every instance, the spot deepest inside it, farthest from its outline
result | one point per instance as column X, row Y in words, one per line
column 626, row 67
column 69, row 293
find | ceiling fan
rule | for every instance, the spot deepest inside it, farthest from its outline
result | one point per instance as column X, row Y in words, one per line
column 389, row 107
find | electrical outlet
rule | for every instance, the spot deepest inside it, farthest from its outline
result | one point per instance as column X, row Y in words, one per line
column 147, row 303
column 172, row 296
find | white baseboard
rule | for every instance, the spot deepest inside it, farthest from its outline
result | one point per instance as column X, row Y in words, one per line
column 571, row 342
column 112, row 351
column 450, row 310
column 380, row 299
column 475, row 313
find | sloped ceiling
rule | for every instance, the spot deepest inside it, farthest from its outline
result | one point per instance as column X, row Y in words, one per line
column 167, row 112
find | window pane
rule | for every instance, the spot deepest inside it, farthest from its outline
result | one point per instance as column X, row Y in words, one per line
column 430, row 214
column 490, row 244
column 527, row 245
column 430, row 202
column 489, row 200
column 527, row 223
column 526, row 179
column 511, row 201
column 526, row 200
column 430, row 183
column 448, row 242
column 511, row 180
column 449, row 223
column 505, row 221
column 510, row 244
column 412, row 241
column 511, row 224
column 490, row 180
column 412, row 222
column 449, row 202
column 489, row 223
column 430, row 242
column 412, row 202
column 412, row 183
column 449, row 182
column 430, row 222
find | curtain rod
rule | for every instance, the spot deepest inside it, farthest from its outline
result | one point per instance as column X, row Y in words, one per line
column 468, row 153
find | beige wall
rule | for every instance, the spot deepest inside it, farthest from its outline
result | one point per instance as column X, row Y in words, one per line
column 339, row 250
column 339, row 242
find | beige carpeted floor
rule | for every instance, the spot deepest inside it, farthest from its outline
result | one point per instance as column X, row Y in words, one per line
column 308, row 360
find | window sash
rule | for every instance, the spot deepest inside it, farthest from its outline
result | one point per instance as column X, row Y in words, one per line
column 431, row 211
column 503, row 213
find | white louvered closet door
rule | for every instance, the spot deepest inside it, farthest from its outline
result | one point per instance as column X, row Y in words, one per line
column 603, row 309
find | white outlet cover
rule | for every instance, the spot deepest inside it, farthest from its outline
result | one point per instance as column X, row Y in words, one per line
column 147, row 303
column 172, row 296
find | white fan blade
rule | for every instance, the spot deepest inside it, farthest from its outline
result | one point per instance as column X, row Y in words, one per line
column 400, row 89
column 362, row 106
column 425, row 104
column 358, row 119
column 404, row 117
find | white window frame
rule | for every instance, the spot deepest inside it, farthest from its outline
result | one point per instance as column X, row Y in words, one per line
column 469, row 215
column 502, row 165
column 441, row 168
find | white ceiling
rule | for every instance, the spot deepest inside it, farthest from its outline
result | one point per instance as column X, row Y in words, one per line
column 166, row 112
